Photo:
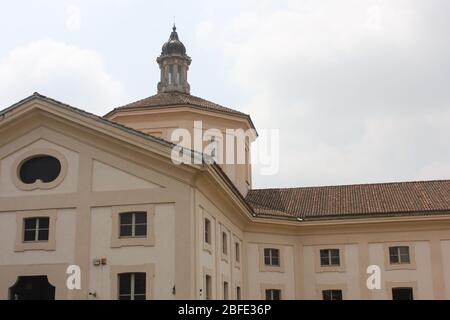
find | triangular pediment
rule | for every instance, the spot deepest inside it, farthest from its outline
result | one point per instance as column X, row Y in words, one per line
column 109, row 178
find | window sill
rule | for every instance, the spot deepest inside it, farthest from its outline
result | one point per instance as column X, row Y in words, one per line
column 34, row 246
column 207, row 247
column 400, row 266
column 330, row 269
column 265, row 268
column 133, row 242
column 225, row 257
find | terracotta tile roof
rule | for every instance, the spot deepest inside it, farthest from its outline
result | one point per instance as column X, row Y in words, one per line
column 169, row 99
column 402, row 198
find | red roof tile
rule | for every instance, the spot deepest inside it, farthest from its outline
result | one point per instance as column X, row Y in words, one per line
column 405, row 198
column 169, row 99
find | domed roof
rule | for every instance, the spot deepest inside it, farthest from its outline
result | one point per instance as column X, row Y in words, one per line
column 174, row 45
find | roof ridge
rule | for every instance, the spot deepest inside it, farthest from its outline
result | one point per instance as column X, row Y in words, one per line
column 353, row 185
column 37, row 95
column 184, row 99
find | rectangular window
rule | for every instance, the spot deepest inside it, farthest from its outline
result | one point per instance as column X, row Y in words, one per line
column 207, row 231
column 399, row 255
column 402, row 294
column 332, row 294
column 273, row 294
column 36, row 229
column 238, row 293
column 329, row 258
column 272, row 257
column 132, row 286
column 133, row 225
column 224, row 243
column 225, row 290
column 237, row 252
column 208, row 287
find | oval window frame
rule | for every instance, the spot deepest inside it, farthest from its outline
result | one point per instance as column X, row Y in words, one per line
column 39, row 185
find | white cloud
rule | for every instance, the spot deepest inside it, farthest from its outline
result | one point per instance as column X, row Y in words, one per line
column 358, row 88
column 61, row 71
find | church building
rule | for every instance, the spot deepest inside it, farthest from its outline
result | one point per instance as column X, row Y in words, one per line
column 94, row 207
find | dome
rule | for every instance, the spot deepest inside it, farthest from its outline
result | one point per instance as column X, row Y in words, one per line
column 174, row 45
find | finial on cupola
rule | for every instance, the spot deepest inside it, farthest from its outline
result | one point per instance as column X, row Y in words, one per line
column 174, row 64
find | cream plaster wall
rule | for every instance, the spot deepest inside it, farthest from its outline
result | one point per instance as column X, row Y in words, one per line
column 163, row 122
column 69, row 184
column 162, row 255
column 65, row 241
column 108, row 178
column 256, row 278
column 445, row 250
column 315, row 282
column 422, row 274
column 184, row 196
column 211, row 257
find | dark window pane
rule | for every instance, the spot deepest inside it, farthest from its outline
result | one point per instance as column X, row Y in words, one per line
column 139, row 283
column 332, row 295
column 125, row 283
column 404, row 254
column 402, row 294
column 276, row 295
column 44, row 223
column 275, row 261
column 224, row 243
column 324, row 261
column 125, row 231
column 337, row 295
column 275, row 253
column 43, row 235
column 208, row 281
column 126, row 218
column 139, row 297
column 207, row 231
column 399, row 255
column 326, row 295
column 393, row 251
column 125, row 297
column 335, row 261
column 44, row 168
column 334, row 253
column 140, row 217
column 405, row 258
column 324, row 254
column 29, row 235
column 140, row 230
column 394, row 259
column 30, row 223
column 272, row 294
column 267, row 256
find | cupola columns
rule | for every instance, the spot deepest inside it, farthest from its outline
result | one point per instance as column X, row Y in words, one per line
column 174, row 65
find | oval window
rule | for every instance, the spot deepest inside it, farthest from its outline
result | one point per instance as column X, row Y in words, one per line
column 43, row 168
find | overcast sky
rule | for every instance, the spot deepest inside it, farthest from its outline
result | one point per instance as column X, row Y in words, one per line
column 360, row 90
